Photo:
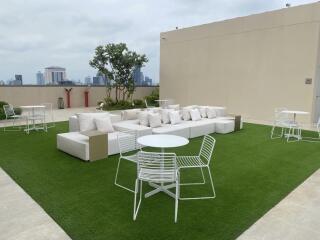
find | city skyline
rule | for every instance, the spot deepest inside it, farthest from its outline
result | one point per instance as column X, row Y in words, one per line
column 65, row 33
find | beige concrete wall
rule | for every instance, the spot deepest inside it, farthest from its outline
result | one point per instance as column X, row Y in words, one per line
column 25, row 95
column 250, row 64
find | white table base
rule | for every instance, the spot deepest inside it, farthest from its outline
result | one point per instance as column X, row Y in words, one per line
column 161, row 188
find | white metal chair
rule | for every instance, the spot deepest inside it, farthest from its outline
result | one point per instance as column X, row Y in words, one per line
column 49, row 116
column 202, row 160
column 37, row 117
column 282, row 121
column 127, row 143
column 156, row 167
column 11, row 115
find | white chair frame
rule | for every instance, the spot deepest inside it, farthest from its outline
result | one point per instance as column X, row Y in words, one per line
column 12, row 116
column 202, row 160
column 281, row 121
column 156, row 167
column 34, row 116
column 49, row 115
column 127, row 143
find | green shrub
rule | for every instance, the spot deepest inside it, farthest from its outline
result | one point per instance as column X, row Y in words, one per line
column 139, row 103
column 151, row 99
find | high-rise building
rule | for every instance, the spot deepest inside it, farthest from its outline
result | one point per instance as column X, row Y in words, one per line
column 18, row 79
column 147, row 81
column 54, row 75
column 87, row 80
column 40, row 78
column 137, row 76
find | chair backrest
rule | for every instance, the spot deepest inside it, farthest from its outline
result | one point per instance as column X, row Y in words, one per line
column 279, row 115
column 157, row 166
column 207, row 148
column 8, row 110
column 127, row 141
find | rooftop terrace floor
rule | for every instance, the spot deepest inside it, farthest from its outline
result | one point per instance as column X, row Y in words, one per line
column 251, row 174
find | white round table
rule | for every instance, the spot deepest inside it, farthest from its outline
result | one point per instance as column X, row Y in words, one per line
column 162, row 141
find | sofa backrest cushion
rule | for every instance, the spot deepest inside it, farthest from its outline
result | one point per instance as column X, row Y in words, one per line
column 175, row 117
column 211, row 112
column 130, row 114
column 104, row 124
column 203, row 111
column 86, row 122
column 174, row 107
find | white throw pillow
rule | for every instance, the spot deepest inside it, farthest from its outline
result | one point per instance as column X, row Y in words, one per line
column 143, row 118
column 130, row 114
column 174, row 107
column 104, row 124
column 165, row 115
column 154, row 120
column 211, row 112
column 195, row 114
column 175, row 117
column 203, row 112
column 186, row 114
column 86, row 122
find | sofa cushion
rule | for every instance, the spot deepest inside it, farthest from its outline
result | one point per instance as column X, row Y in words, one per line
column 86, row 122
column 165, row 115
column 186, row 114
column 132, row 125
column 104, row 124
column 195, row 114
column 154, row 120
column 211, row 112
column 178, row 130
column 203, row 111
column 175, row 117
column 143, row 118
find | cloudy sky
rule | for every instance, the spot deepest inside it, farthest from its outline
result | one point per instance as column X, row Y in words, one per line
column 35, row 34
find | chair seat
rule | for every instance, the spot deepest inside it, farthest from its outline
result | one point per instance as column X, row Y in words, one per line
column 190, row 161
column 153, row 175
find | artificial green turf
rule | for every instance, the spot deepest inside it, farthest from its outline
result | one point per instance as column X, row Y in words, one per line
column 251, row 174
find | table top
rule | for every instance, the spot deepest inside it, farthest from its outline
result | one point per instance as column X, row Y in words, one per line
column 294, row 112
column 33, row 106
column 162, row 141
column 162, row 100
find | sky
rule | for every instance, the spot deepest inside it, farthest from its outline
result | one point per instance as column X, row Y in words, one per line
column 35, row 34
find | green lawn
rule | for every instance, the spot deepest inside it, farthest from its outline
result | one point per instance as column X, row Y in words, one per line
column 251, row 174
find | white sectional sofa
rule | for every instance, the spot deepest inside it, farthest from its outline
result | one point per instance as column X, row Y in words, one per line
column 76, row 144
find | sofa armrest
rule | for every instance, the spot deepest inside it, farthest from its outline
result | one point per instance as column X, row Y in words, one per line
column 74, row 124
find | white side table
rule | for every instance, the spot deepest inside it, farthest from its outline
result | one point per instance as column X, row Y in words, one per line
column 294, row 124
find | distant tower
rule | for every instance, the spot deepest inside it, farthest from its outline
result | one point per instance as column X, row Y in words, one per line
column 87, row 80
column 54, row 75
column 18, row 79
column 40, row 78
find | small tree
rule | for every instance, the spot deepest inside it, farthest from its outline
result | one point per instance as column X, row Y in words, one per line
column 117, row 63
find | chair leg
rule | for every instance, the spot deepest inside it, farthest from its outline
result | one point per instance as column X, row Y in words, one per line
column 203, row 197
column 116, row 179
column 273, row 136
column 135, row 207
column 176, row 202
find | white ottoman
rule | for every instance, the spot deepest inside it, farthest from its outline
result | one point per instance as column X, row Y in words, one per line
column 224, row 126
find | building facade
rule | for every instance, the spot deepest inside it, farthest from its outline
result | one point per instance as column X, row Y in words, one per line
column 54, row 75
column 251, row 64
column 40, row 78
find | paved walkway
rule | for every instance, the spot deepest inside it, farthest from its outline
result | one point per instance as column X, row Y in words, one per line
column 297, row 217
column 21, row 218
